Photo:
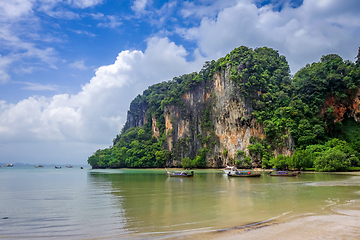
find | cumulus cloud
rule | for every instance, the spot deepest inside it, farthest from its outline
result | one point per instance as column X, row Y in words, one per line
column 95, row 114
column 302, row 34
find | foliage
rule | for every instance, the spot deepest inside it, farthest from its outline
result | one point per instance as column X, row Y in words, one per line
column 302, row 159
column 304, row 110
column 260, row 152
column 225, row 152
column 241, row 160
column 280, row 162
column 332, row 160
column 354, row 168
column 134, row 148
column 186, row 162
column 309, row 169
column 198, row 162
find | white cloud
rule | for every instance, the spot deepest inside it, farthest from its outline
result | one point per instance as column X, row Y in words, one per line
column 302, row 34
column 79, row 65
column 86, row 3
column 81, row 123
column 110, row 22
column 22, row 70
column 107, row 21
column 191, row 9
column 84, row 33
column 156, row 17
column 161, row 16
column 18, row 30
column 38, row 87
column 63, row 14
column 96, row 16
column 4, row 64
column 15, row 8
column 97, row 113
column 50, row 5
column 139, row 6
column 21, row 33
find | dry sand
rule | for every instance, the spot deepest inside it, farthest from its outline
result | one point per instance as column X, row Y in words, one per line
column 344, row 223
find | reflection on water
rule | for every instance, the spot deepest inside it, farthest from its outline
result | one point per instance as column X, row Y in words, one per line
column 154, row 203
column 143, row 204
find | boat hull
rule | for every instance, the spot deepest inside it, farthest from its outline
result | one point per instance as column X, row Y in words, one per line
column 180, row 173
column 177, row 175
column 245, row 175
column 292, row 174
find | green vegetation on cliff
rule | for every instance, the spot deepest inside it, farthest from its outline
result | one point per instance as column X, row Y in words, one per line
column 322, row 95
column 312, row 108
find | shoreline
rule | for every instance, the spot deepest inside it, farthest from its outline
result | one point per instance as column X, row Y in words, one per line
column 356, row 173
column 343, row 222
column 202, row 169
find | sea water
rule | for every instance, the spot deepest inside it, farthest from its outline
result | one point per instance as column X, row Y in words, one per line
column 74, row 203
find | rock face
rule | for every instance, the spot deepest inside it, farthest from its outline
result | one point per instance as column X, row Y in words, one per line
column 214, row 115
column 136, row 120
column 348, row 108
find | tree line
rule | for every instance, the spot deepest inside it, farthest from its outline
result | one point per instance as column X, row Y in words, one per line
column 312, row 107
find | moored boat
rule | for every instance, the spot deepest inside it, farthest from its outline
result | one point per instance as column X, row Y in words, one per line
column 39, row 166
column 69, row 166
column 184, row 173
column 8, row 165
column 229, row 169
column 244, row 174
column 283, row 174
column 57, row 167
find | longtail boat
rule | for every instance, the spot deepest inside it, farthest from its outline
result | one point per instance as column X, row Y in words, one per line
column 184, row 173
column 229, row 169
column 283, row 174
column 244, row 174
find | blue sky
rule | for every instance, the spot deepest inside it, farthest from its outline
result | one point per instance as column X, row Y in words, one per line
column 70, row 68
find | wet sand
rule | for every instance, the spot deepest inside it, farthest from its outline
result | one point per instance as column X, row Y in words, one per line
column 342, row 223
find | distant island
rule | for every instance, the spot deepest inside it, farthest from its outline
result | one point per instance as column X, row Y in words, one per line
column 245, row 109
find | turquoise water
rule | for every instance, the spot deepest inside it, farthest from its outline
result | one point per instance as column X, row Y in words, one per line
column 74, row 203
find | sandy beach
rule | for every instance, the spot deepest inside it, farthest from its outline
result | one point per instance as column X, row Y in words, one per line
column 343, row 223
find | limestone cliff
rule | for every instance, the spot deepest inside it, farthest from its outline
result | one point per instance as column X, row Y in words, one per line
column 243, row 109
column 214, row 114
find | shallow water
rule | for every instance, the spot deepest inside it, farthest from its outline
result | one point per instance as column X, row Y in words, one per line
column 142, row 204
